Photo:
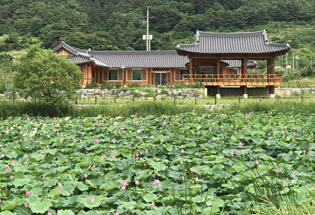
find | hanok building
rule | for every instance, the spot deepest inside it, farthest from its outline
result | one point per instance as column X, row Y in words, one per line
column 206, row 54
column 215, row 59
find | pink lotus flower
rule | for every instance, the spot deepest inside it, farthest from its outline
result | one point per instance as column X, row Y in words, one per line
column 192, row 170
column 196, row 179
column 25, row 156
column 116, row 213
column 11, row 177
column 48, row 213
column 156, row 181
column 208, row 204
column 292, row 174
column 164, row 123
column 123, row 183
column 92, row 200
column 14, row 162
column 277, row 171
column 85, row 175
column 27, row 193
column 240, row 144
column 282, row 132
column 25, row 204
column 59, row 191
column 232, row 153
column 183, row 178
column 8, row 168
column 153, row 204
column 59, row 184
column 136, row 182
column 257, row 162
column 304, row 152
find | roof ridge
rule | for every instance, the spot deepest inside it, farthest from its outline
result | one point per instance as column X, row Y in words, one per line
column 253, row 33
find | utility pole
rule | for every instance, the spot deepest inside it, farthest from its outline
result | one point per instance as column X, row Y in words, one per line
column 293, row 60
column 286, row 63
column 148, row 37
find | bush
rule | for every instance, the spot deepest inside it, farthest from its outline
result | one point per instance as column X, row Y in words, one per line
column 180, row 85
column 91, row 85
column 118, row 85
column 196, row 85
column 107, row 85
column 131, row 85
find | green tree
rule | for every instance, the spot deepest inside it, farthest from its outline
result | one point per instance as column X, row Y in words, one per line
column 46, row 77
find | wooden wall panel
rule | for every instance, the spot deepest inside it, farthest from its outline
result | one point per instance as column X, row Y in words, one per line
column 119, row 75
column 144, row 74
column 177, row 74
column 63, row 52
column 129, row 74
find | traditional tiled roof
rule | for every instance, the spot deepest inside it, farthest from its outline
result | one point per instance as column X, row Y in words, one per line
column 69, row 48
column 79, row 59
column 140, row 59
column 232, row 43
column 134, row 59
column 80, row 56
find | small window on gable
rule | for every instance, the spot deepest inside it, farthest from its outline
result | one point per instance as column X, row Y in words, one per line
column 136, row 75
column 112, row 75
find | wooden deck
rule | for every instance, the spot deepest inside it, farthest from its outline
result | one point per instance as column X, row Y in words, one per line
column 234, row 80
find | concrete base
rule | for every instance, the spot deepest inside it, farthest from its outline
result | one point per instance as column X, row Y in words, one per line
column 245, row 96
column 272, row 96
column 218, row 96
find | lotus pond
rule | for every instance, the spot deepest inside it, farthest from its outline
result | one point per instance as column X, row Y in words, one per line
column 182, row 164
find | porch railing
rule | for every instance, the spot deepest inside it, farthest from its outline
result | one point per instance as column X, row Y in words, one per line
column 234, row 80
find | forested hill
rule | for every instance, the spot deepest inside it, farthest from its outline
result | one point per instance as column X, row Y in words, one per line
column 120, row 24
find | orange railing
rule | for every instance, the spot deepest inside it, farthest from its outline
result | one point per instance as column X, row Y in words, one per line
column 234, row 80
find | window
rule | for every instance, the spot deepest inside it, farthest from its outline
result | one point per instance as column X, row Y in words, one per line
column 183, row 72
column 136, row 75
column 112, row 75
column 235, row 71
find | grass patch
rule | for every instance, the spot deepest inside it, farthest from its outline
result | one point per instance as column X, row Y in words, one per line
column 284, row 106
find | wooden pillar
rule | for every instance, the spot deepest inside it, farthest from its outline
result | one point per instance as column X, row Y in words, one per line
column 244, row 69
column 89, row 73
column 124, row 72
column 271, row 90
column 218, row 95
column 98, row 75
column 245, row 94
column 218, row 66
column 271, row 72
column 191, row 66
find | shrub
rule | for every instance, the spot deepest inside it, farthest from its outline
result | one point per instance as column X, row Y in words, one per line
column 118, row 85
column 131, row 85
column 196, row 85
column 107, row 85
column 180, row 85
